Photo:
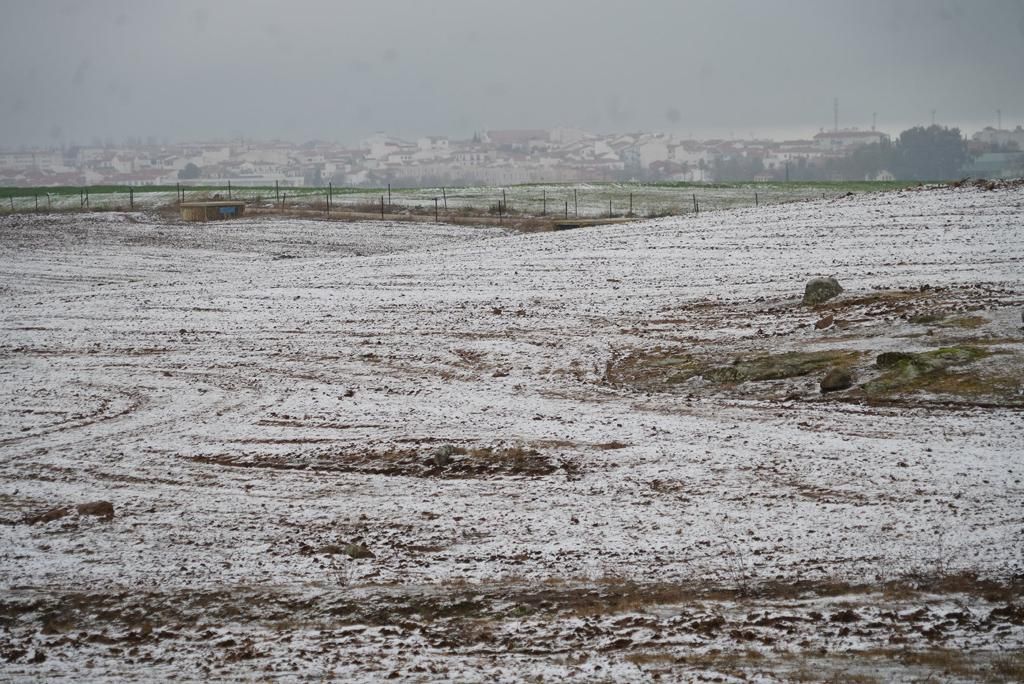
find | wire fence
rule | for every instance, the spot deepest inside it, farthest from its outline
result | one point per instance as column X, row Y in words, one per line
column 553, row 202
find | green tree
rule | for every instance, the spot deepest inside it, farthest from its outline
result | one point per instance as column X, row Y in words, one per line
column 933, row 153
column 190, row 172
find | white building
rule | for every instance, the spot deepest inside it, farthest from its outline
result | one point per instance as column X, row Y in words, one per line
column 847, row 139
column 1001, row 136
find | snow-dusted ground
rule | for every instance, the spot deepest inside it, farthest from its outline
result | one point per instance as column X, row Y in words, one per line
column 257, row 397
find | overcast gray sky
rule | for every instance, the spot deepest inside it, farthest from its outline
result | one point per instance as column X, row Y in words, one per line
column 338, row 70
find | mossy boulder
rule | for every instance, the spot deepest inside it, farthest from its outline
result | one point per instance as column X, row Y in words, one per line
column 926, row 362
column 819, row 290
column 780, row 366
column 913, row 371
column 836, row 380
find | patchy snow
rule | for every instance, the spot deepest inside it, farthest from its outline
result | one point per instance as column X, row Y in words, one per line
column 254, row 396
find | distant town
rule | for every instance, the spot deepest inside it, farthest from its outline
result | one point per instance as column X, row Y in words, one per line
column 504, row 157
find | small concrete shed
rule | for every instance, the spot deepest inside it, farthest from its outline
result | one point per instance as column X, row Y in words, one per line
column 214, row 210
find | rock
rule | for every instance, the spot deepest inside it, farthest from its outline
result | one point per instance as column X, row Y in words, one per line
column 331, row 550
column 836, row 380
column 101, row 509
column 356, row 551
column 820, row 290
column 825, row 322
column 845, row 616
column 48, row 516
column 442, row 455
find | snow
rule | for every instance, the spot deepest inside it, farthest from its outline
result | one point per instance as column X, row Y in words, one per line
column 249, row 392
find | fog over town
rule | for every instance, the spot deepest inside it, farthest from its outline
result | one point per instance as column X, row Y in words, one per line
column 368, row 82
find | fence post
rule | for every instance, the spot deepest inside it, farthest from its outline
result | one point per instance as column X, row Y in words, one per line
column 389, row 194
column 566, row 208
column 630, row 204
column 695, row 210
column 576, row 203
column 544, row 209
column 435, row 210
column 382, row 207
column 229, row 189
column 131, row 198
column 284, row 198
column 444, row 194
column 330, row 196
column 87, row 198
column 757, row 202
column 609, row 207
column 277, row 192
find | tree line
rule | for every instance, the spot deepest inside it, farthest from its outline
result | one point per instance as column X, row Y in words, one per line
column 920, row 153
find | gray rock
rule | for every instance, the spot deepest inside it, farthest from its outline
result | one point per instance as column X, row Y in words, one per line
column 820, row 290
column 101, row 509
column 825, row 322
column 836, row 380
column 442, row 455
column 357, row 551
column 48, row 516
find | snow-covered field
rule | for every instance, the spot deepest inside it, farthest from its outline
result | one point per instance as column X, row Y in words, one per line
column 370, row 450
